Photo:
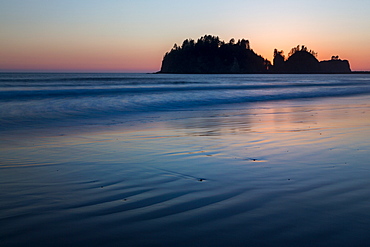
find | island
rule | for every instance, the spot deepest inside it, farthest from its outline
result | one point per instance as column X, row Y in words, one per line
column 210, row 55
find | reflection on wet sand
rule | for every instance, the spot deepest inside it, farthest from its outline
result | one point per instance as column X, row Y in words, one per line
column 288, row 173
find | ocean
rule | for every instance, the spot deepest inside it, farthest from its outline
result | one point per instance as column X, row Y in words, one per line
column 39, row 99
column 184, row 160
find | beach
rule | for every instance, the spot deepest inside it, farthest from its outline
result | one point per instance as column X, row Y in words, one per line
column 186, row 163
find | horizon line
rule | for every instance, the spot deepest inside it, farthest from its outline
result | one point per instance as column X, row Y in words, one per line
column 144, row 72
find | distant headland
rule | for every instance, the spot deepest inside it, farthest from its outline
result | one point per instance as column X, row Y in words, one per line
column 210, row 55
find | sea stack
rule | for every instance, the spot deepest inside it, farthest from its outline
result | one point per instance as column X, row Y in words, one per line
column 210, row 55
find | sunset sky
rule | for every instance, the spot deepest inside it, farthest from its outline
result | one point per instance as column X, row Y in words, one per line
column 133, row 35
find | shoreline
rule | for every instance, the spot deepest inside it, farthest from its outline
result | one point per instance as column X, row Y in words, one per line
column 290, row 172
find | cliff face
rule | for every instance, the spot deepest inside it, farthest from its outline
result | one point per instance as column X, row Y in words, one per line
column 212, row 62
column 335, row 66
column 302, row 62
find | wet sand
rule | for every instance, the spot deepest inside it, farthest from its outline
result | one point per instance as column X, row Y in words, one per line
column 278, row 173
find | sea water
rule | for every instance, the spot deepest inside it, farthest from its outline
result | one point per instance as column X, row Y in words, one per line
column 184, row 160
column 36, row 100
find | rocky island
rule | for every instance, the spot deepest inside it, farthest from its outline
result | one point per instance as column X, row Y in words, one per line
column 210, row 55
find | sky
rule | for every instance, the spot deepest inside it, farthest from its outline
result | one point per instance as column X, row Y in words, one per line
column 133, row 35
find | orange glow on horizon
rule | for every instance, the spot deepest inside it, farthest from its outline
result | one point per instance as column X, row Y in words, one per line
column 132, row 35
column 72, row 59
column 140, row 57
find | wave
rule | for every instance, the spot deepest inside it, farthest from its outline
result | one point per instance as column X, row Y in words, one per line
column 25, row 102
column 51, row 92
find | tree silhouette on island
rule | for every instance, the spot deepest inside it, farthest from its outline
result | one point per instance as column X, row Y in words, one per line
column 210, row 55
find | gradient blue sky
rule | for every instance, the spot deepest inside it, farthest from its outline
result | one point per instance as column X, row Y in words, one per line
column 132, row 36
